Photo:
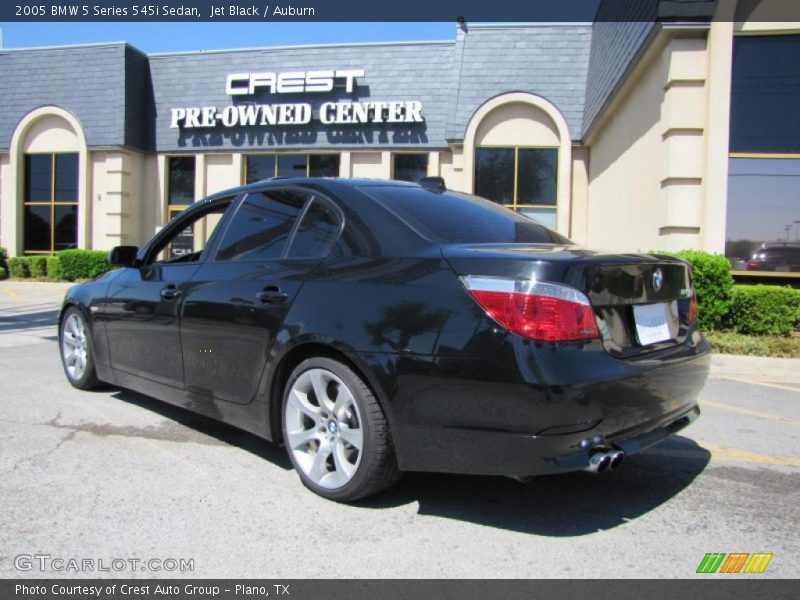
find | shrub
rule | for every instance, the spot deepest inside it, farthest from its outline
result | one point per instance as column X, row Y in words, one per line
column 53, row 268
column 37, row 266
column 18, row 266
column 765, row 309
column 83, row 264
column 714, row 285
column 3, row 263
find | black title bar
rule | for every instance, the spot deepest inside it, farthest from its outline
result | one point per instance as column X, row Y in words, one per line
column 408, row 10
column 402, row 589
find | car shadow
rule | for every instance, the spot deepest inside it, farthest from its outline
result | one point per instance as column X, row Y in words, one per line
column 560, row 505
column 567, row 505
column 227, row 434
column 28, row 318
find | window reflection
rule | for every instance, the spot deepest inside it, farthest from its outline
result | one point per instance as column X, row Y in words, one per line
column 410, row 167
column 522, row 178
column 765, row 94
column 51, row 202
column 763, row 216
column 264, row 166
column 181, row 180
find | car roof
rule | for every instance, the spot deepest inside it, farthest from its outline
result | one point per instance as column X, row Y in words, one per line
column 331, row 182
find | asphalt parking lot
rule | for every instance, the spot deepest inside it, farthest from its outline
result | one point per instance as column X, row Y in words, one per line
column 114, row 474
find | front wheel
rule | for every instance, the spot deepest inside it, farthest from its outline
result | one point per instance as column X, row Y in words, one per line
column 336, row 433
column 75, row 342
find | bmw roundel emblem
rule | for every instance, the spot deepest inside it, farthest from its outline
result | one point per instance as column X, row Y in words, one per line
column 658, row 279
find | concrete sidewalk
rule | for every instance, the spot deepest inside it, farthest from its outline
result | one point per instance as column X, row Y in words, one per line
column 786, row 370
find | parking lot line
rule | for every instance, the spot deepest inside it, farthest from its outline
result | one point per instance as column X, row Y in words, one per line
column 762, row 383
column 752, row 413
column 11, row 294
column 718, row 451
column 735, row 454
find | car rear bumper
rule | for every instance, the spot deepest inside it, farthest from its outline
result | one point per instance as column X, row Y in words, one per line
column 522, row 429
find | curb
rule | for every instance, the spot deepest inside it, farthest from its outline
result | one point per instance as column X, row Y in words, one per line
column 779, row 369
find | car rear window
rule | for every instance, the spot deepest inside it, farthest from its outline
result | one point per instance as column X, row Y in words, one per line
column 780, row 252
column 261, row 226
column 456, row 218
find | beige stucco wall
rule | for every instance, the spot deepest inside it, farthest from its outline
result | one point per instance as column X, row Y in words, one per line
column 371, row 165
column 451, row 169
column 624, row 170
column 648, row 164
column 579, row 196
column 6, row 191
column 659, row 161
column 151, row 200
column 517, row 124
column 50, row 134
column 117, row 184
column 223, row 171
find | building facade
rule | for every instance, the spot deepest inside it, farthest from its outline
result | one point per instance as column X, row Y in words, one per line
column 636, row 135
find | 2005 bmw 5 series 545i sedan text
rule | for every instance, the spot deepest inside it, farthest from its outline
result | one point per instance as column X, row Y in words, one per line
column 377, row 327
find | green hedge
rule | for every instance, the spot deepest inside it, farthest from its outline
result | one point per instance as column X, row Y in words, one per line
column 18, row 266
column 714, row 285
column 2, row 273
column 3, row 263
column 37, row 266
column 54, row 268
column 83, row 264
column 765, row 310
column 68, row 264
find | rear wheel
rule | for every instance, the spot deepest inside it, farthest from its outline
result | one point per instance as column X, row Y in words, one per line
column 75, row 343
column 336, row 433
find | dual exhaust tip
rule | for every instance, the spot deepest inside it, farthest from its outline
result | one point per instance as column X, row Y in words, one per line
column 604, row 460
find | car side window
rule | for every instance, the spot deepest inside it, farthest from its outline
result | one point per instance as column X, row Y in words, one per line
column 187, row 243
column 317, row 231
column 261, row 226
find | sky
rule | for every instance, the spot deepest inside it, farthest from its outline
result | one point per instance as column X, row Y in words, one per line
column 174, row 37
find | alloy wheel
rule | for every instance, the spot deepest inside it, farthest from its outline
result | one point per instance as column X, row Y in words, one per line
column 323, row 428
column 74, row 346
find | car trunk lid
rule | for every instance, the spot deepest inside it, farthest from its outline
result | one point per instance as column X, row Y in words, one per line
column 641, row 301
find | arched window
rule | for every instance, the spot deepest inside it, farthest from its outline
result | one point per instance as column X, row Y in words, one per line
column 48, row 155
column 517, row 150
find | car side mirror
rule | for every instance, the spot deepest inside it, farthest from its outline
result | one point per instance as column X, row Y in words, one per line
column 123, row 256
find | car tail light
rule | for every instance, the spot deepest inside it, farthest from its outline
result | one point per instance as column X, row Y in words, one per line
column 753, row 265
column 694, row 307
column 535, row 309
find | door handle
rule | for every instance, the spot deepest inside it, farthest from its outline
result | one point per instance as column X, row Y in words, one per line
column 170, row 292
column 272, row 294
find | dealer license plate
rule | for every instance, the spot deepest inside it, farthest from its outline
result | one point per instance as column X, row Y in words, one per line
column 651, row 323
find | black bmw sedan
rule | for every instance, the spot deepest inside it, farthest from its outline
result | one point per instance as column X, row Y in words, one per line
column 377, row 327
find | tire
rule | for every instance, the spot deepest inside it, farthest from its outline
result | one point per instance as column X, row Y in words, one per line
column 77, row 355
column 322, row 438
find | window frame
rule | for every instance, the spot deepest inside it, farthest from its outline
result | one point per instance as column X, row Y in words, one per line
column 313, row 195
column 52, row 203
column 761, row 155
column 516, row 148
column 277, row 155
